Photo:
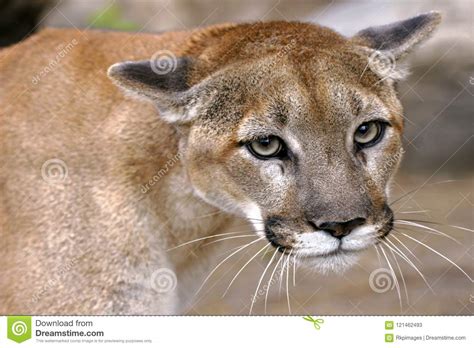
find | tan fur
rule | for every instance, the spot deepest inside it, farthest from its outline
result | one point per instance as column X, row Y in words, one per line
column 89, row 244
column 108, row 142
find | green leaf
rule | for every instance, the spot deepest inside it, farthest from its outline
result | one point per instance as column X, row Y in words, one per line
column 111, row 18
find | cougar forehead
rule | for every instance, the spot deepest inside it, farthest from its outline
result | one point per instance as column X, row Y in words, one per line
column 311, row 102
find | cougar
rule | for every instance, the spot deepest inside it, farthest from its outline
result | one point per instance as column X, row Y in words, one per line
column 117, row 147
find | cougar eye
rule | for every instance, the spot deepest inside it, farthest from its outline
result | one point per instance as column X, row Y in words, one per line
column 266, row 147
column 369, row 133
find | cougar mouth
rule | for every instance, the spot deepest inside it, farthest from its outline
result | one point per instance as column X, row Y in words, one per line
column 318, row 244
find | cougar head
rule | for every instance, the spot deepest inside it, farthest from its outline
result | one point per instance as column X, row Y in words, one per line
column 292, row 126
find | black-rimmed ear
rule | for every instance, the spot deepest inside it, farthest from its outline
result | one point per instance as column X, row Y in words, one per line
column 401, row 37
column 165, row 84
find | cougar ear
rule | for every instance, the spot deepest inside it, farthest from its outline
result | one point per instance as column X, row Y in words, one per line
column 401, row 37
column 162, row 81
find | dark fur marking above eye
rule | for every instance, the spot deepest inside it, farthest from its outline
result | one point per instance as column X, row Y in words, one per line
column 279, row 113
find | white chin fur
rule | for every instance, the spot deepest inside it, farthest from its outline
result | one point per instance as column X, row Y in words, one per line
column 316, row 246
column 360, row 238
column 337, row 263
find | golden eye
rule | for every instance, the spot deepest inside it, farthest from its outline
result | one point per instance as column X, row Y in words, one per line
column 266, row 147
column 369, row 133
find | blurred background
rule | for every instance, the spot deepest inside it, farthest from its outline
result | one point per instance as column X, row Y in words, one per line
column 439, row 101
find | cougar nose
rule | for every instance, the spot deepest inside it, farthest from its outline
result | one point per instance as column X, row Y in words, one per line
column 340, row 229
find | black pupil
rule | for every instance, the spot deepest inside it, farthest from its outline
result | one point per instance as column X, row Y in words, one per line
column 265, row 141
column 363, row 129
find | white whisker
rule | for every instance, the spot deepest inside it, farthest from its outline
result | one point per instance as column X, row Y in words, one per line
column 287, row 276
column 401, row 274
column 407, row 248
column 378, row 255
column 209, row 215
column 397, row 286
column 229, row 251
column 270, row 280
column 440, row 224
column 381, row 80
column 461, row 228
column 254, row 219
column 439, row 254
column 227, row 238
column 415, row 191
column 432, row 230
column 228, row 257
column 294, row 269
column 365, row 69
column 410, row 262
column 283, row 265
column 261, row 279
column 243, row 267
column 203, row 238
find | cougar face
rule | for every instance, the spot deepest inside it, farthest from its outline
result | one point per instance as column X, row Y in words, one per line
column 294, row 127
column 308, row 163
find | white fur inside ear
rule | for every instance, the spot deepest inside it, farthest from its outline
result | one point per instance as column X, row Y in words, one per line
column 182, row 114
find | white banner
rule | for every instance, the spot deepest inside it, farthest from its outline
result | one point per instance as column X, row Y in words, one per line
column 235, row 331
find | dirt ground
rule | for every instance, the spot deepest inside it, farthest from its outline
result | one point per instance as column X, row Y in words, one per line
column 447, row 202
